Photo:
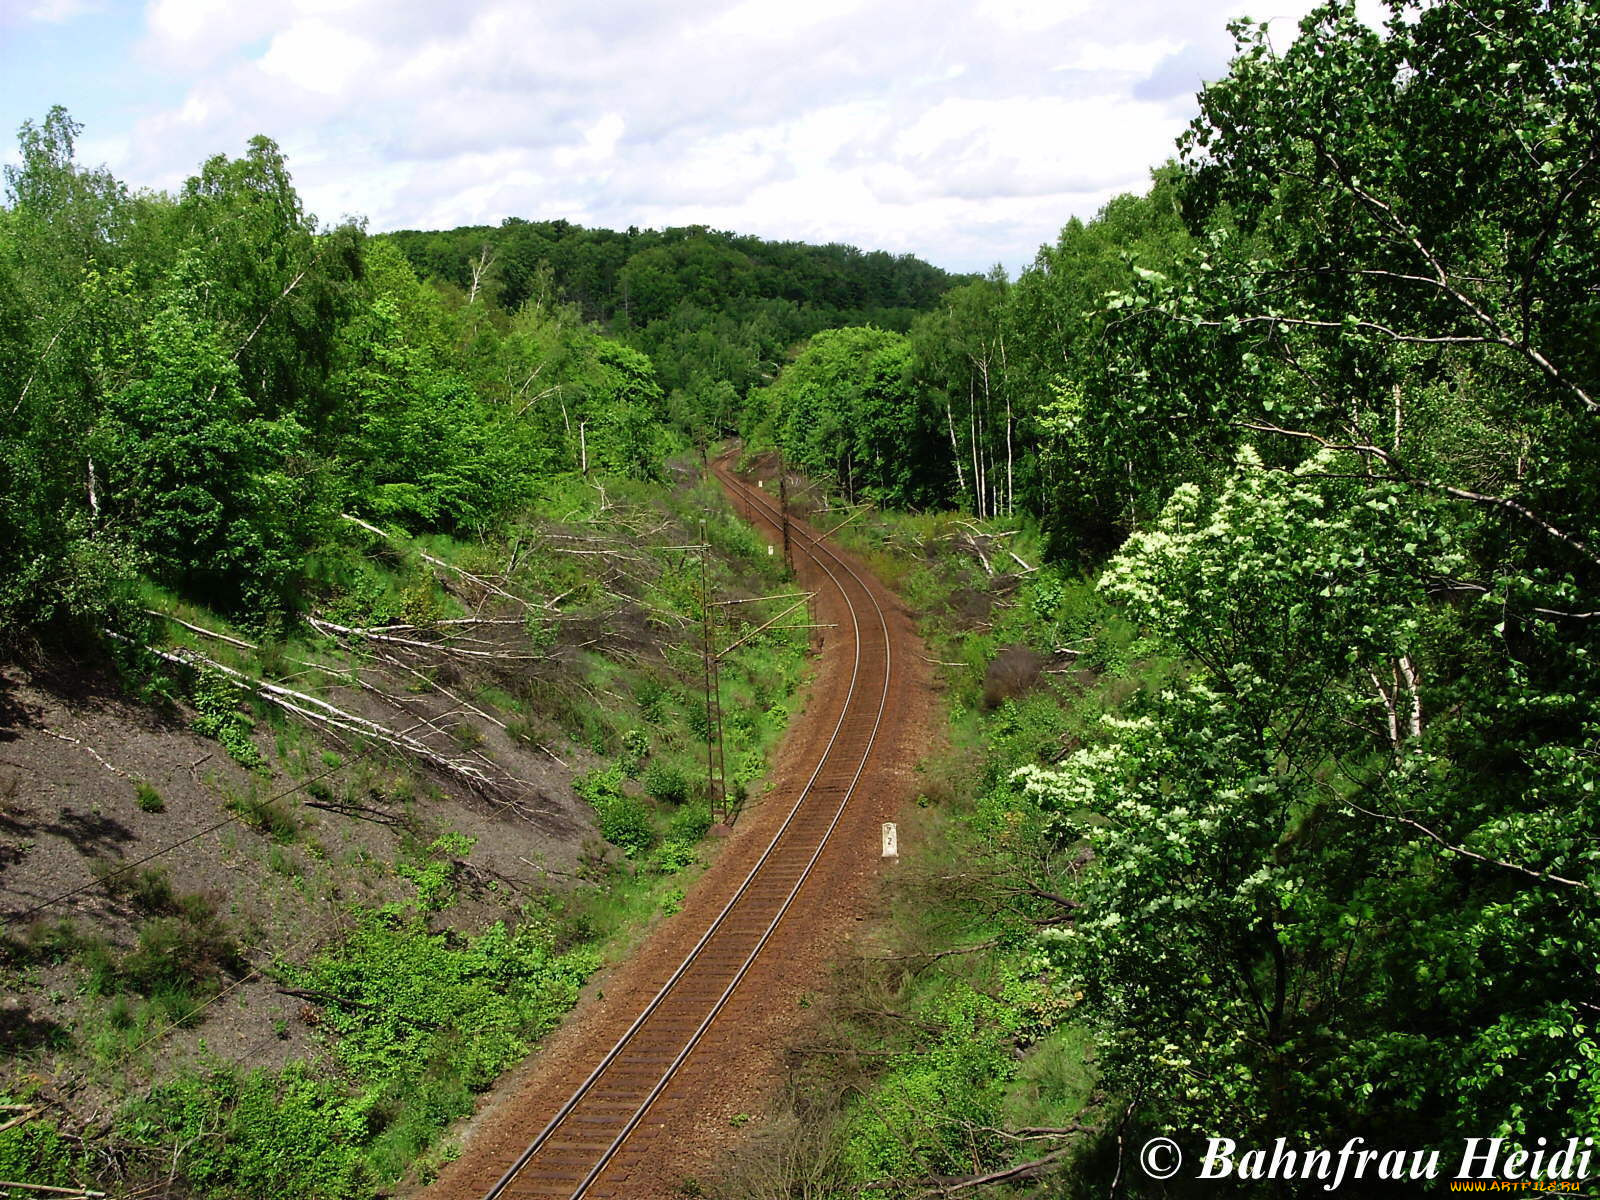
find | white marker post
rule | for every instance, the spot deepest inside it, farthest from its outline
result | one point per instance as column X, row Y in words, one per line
column 891, row 841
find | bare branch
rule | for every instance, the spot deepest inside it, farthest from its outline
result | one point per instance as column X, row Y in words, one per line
column 1544, row 876
column 1441, row 279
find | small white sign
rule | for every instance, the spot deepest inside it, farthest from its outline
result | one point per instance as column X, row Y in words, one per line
column 891, row 841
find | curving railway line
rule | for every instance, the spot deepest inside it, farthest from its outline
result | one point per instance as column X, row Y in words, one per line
column 596, row 1139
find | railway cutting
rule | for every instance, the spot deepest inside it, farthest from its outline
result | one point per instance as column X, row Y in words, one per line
column 637, row 1095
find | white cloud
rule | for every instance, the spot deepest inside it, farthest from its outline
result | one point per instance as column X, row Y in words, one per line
column 191, row 34
column 1137, row 56
column 1031, row 16
column 319, row 57
column 59, row 12
column 965, row 132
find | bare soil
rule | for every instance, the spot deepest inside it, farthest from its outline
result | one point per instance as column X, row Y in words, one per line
column 74, row 751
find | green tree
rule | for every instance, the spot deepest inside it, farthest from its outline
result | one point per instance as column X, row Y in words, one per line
column 846, row 406
column 59, row 233
column 211, row 493
column 1345, row 874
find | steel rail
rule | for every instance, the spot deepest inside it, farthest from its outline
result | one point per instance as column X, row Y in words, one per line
column 758, row 503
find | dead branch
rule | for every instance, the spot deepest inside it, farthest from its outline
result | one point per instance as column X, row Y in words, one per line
column 90, row 750
column 764, row 627
column 22, row 1118
column 486, row 584
column 933, row 955
column 361, row 812
column 202, row 631
column 346, row 633
column 319, row 712
column 1472, row 854
column 952, row 1185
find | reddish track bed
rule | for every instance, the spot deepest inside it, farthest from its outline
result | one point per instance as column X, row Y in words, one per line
column 637, row 1092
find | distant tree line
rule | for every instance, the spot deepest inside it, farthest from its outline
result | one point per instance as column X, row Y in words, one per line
column 717, row 312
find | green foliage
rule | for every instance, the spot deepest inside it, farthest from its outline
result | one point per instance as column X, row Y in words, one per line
column 635, row 749
column 417, row 1020
column 652, row 696
column 665, row 783
column 698, row 717
column 1358, row 820
column 624, row 819
column 714, row 311
column 61, row 231
column 190, row 953
column 147, row 798
column 271, row 818
column 258, row 1134
column 407, row 1002
column 673, row 855
column 147, row 889
column 690, row 823
column 196, row 480
column 183, row 948
column 623, row 434
column 200, row 384
column 36, row 1152
column 424, row 449
column 936, row 1110
column 435, row 875
column 217, row 702
column 845, row 407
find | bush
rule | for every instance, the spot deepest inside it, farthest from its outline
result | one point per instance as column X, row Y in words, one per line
column 216, row 701
column 673, row 855
column 180, row 954
column 690, row 823
column 699, row 720
column 269, row 817
column 666, row 784
column 624, row 820
column 146, row 890
column 49, row 941
column 1014, row 670
column 635, row 749
column 420, row 1021
column 435, row 873
column 258, row 1135
column 36, row 1151
column 651, row 696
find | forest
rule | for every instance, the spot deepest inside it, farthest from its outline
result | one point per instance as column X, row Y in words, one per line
column 1255, row 524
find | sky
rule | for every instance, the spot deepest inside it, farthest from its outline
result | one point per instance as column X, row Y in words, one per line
column 966, row 132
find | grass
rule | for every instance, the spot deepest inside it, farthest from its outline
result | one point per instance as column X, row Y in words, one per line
column 147, row 798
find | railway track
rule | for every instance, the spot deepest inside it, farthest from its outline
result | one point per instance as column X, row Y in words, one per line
column 593, row 1141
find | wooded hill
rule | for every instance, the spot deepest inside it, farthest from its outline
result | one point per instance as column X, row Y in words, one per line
column 716, row 312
